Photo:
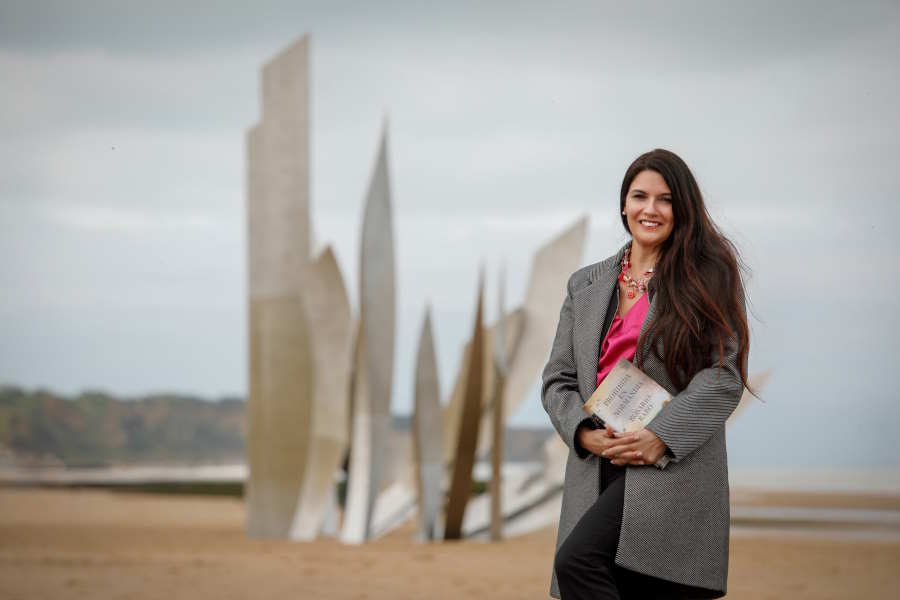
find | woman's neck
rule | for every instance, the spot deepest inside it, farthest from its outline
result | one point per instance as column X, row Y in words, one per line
column 642, row 258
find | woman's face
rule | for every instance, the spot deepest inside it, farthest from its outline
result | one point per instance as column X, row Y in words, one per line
column 648, row 209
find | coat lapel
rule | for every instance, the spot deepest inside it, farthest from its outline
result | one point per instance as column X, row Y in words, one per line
column 649, row 317
column 591, row 304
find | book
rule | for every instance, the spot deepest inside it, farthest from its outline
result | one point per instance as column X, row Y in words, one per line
column 627, row 399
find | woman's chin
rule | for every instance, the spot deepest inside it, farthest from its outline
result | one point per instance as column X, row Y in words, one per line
column 648, row 240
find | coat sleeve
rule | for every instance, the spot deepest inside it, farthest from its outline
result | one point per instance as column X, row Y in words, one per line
column 695, row 414
column 559, row 391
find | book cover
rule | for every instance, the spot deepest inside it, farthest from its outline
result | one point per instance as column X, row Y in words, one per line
column 627, row 398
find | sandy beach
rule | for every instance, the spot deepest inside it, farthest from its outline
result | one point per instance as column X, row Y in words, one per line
column 63, row 543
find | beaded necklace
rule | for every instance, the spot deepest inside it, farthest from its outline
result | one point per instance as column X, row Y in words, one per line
column 626, row 278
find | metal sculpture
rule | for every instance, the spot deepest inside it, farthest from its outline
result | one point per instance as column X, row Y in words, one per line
column 278, row 254
column 371, row 420
column 513, row 324
column 530, row 331
column 498, row 422
column 427, row 433
column 550, row 271
column 327, row 311
column 461, row 482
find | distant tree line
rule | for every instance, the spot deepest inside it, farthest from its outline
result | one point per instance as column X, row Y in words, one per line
column 95, row 429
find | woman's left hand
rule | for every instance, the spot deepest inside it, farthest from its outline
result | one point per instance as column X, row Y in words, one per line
column 651, row 448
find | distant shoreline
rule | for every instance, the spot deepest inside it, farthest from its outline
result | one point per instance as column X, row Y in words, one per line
column 865, row 480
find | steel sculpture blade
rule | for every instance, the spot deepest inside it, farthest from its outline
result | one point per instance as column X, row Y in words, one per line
column 461, row 482
column 371, row 421
column 513, row 324
column 530, row 334
column 278, row 255
column 427, row 433
column 498, row 421
column 328, row 315
column 397, row 504
column 354, row 526
column 550, row 271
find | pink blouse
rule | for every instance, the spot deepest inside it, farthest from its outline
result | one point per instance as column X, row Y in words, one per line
column 621, row 339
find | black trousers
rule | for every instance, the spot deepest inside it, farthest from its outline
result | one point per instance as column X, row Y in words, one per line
column 585, row 563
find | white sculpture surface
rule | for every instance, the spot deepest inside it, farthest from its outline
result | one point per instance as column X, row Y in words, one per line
column 327, row 310
column 280, row 363
column 371, row 420
column 426, row 433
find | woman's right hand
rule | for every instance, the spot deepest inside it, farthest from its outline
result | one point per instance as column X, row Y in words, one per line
column 596, row 441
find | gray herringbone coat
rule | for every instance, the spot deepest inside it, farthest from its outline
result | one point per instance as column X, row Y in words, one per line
column 675, row 521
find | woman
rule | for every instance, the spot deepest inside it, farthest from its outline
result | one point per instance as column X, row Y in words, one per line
column 646, row 514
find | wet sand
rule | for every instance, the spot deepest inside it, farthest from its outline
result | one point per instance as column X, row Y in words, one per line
column 102, row 544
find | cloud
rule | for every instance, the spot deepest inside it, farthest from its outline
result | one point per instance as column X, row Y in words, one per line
column 100, row 219
column 741, row 32
column 89, row 89
column 127, row 171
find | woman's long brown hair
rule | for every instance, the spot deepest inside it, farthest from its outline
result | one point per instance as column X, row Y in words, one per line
column 697, row 280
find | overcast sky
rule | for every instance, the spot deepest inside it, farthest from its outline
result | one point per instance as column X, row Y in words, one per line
column 122, row 216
